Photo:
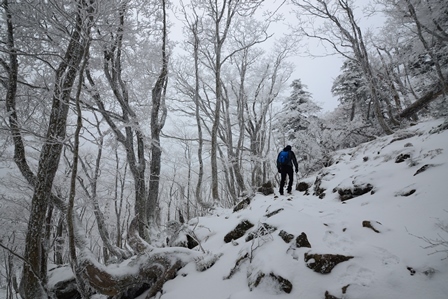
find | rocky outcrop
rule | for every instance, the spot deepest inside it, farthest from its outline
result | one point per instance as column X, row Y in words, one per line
column 239, row 231
column 286, row 236
column 262, row 230
column 275, row 281
column 355, row 191
column 402, row 157
column 422, row 169
column 302, row 187
column 324, row 263
column 302, row 241
column 267, row 188
column 242, row 204
column 268, row 215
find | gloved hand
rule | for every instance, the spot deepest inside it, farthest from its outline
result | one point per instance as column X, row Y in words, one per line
column 279, row 169
column 297, row 170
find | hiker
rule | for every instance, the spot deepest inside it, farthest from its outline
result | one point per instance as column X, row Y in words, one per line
column 285, row 161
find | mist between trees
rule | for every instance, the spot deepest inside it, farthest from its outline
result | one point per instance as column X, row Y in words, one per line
column 102, row 126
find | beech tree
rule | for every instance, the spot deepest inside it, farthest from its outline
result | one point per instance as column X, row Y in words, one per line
column 66, row 66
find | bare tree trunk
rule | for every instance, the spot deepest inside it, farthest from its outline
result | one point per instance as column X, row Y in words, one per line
column 31, row 285
column 157, row 123
column 81, row 285
column 132, row 139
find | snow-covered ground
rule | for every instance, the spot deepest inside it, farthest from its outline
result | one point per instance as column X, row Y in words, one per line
column 407, row 207
column 382, row 262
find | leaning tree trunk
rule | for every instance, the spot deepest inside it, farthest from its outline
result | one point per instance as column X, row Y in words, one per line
column 31, row 286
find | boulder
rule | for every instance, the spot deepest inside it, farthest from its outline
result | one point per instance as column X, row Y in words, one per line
column 402, row 157
column 286, row 236
column 302, row 187
column 262, row 230
column 242, row 204
column 238, row 231
column 355, row 191
column 267, row 188
column 302, row 241
column 324, row 263
column 421, row 169
column 272, row 280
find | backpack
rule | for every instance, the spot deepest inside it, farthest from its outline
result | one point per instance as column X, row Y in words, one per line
column 283, row 158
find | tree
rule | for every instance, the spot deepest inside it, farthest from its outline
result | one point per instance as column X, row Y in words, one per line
column 422, row 37
column 351, row 89
column 299, row 125
column 342, row 32
column 297, row 108
column 34, row 270
column 130, row 92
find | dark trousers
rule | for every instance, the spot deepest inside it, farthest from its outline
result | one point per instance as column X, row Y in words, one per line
column 286, row 170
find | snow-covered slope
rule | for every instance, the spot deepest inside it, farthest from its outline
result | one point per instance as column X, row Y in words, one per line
column 408, row 203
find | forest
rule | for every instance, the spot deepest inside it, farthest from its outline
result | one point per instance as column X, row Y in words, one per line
column 115, row 132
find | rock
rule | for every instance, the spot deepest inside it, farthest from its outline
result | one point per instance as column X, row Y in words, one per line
column 267, row 188
column 191, row 242
column 421, row 169
column 357, row 190
column 368, row 224
column 324, row 263
column 302, row 187
column 286, row 236
column 238, row 231
column 329, row 296
column 66, row 289
column 408, row 193
column 318, row 191
column 402, row 158
column 279, row 282
column 262, row 230
column 268, row 215
column 242, row 204
column 302, row 241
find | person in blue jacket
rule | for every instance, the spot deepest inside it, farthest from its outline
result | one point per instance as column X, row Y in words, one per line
column 286, row 160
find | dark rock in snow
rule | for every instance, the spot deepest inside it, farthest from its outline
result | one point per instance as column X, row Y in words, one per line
column 268, row 215
column 263, row 230
column 238, row 231
column 368, row 224
column 324, row 263
column 302, row 241
column 421, row 169
column 318, row 191
column 281, row 283
column 242, row 204
column 329, row 296
column 66, row 289
column 302, row 187
column 286, row 236
column 191, row 242
column 349, row 193
column 402, row 158
column 267, row 188
column 408, row 193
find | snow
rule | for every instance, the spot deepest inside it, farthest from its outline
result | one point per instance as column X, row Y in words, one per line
column 382, row 262
column 379, row 267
